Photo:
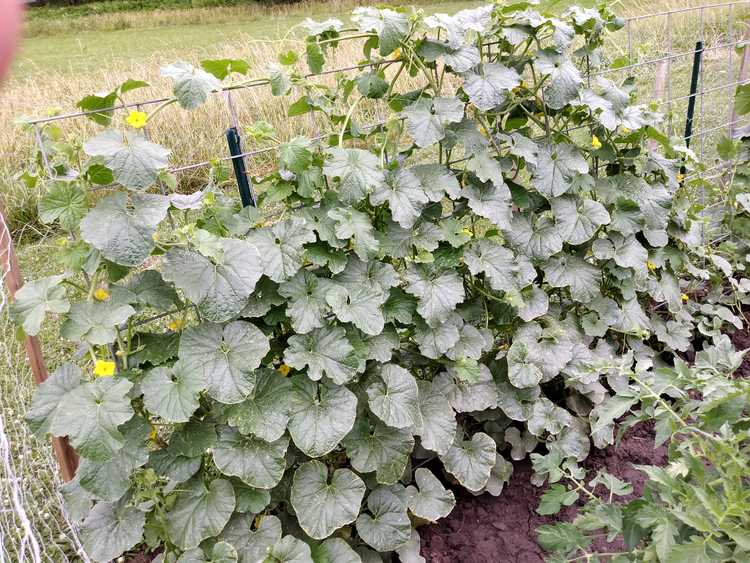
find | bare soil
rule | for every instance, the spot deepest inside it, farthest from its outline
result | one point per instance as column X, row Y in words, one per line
column 487, row 529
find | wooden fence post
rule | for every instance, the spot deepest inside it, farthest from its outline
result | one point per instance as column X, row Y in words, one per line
column 66, row 457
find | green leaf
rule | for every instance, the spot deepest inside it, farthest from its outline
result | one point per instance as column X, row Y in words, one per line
column 325, row 351
column 358, row 171
column 564, row 78
column 289, row 550
column 578, row 220
column 221, row 68
column 359, row 306
column 567, row 270
column 438, row 340
column 437, row 181
column 91, row 415
column 252, row 545
column 468, row 396
column 431, row 501
column 37, row 298
column 101, row 104
column 404, row 194
column 390, row 26
column 122, row 228
column 372, row 85
column 111, row 529
column 438, row 425
column 547, row 416
column 335, row 550
column 387, row 527
column 149, row 288
column 323, row 506
column 258, row 463
column 199, row 512
column 225, row 357
column 306, row 305
column 489, row 87
column 219, row 288
column 95, row 322
column 523, row 371
column 471, row 461
column 64, row 202
column 393, row 397
column 221, row 552
column 426, row 119
column 135, row 162
column 554, row 498
column 191, row 86
column 380, row 448
column 51, row 397
column 295, row 155
column 742, row 99
column 172, row 392
column 556, row 167
column 265, row 412
column 562, row 537
column 502, row 269
column 438, row 292
column 491, row 201
column 281, row 247
column 321, row 415
column 281, row 84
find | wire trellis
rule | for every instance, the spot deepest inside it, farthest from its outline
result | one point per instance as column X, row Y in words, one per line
column 30, row 534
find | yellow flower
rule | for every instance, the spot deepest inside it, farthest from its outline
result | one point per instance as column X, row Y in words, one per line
column 625, row 131
column 104, row 368
column 284, row 369
column 684, row 297
column 101, row 294
column 137, row 119
column 650, row 265
column 397, row 54
column 680, row 178
column 153, row 434
column 596, row 144
column 468, row 232
column 176, row 325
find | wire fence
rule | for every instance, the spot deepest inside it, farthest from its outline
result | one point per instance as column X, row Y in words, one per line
column 657, row 50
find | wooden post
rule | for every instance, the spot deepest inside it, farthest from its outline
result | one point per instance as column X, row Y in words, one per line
column 66, row 457
column 744, row 65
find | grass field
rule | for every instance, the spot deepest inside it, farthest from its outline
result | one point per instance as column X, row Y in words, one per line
column 67, row 57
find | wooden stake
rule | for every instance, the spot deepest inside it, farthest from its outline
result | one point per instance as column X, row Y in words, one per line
column 66, row 457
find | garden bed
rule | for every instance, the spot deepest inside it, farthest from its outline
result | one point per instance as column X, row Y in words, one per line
column 503, row 528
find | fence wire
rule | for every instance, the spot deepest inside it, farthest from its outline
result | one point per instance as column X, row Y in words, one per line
column 34, row 525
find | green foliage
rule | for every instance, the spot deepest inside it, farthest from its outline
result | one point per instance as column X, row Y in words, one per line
column 464, row 282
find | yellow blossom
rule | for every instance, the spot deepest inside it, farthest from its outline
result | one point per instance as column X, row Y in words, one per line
column 680, row 178
column 650, row 265
column 104, row 368
column 153, row 435
column 468, row 232
column 176, row 325
column 625, row 131
column 101, row 294
column 596, row 144
column 137, row 119
column 283, row 369
column 397, row 54
column 684, row 297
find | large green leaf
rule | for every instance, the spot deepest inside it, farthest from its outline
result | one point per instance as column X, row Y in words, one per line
column 265, row 412
column 220, row 288
column 122, row 228
column 225, row 357
column 502, row 269
column 289, row 550
column 358, row 171
column 191, row 86
column 64, row 202
column 471, row 461
column 393, row 397
column 568, row 270
column 488, row 87
column 360, row 306
column 221, row 552
column 51, row 397
column 564, row 78
column 374, row 274
column 490, row 200
column 199, row 512
column 387, row 527
column 425, row 119
column 438, row 291
column 281, row 247
column 37, row 298
column 391, row 27
column 335, row 550
column 430, row 501
column 258, row 463
column 578, row 220
column 435, row 341
column 438, row 426
column 467, row 396
column 95, row 322
column 252, row 545
column 405, row 196
column 306, row 305
column 135, row 161
column 91, row 415
column 111, row 529
column 355, row 226
column 321, row 415
column 324, row 505
column 172, row 392
column 556, row 167
column 325, row 351
column 536, row 236
column 380, row 448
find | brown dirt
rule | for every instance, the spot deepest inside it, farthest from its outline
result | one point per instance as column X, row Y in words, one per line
column 741, row 341
column 502, row 529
